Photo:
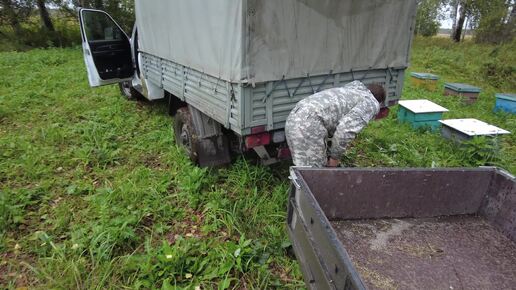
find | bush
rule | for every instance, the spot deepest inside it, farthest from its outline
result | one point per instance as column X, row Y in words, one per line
column 494, row 24
column 429, row 29
column 500, row 67
column 426, row 18
column 66, row 34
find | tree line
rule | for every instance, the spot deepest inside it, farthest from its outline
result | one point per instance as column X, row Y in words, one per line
column 15, row 12
column 31, row 21
column 492, row 21
column 39, row 23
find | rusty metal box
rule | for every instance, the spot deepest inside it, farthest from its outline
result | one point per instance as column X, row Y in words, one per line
column 404, row 228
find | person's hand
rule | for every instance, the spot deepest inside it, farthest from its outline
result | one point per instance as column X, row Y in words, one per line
column 333, row 162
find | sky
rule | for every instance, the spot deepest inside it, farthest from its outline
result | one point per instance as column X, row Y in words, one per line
column 446, row 24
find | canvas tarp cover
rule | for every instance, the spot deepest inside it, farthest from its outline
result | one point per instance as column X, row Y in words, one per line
column 287, row 38
column 203, row 34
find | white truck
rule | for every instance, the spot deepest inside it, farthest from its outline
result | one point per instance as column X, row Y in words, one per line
column 232, row 70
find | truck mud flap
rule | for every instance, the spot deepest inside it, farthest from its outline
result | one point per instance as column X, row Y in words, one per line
column 213, row 151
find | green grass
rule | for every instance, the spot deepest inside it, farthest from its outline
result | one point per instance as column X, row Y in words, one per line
column 94, row 194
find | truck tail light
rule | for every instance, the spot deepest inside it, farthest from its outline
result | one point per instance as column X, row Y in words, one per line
column 257, row 140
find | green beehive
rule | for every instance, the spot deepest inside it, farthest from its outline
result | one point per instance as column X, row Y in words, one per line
column 468, row 92
column 425, row 80
column 421, row 114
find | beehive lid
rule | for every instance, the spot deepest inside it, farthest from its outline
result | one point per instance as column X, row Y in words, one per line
column 422, row 106
column 509, row 97
column 424, row 76
column 462, row 88
column 473, row 127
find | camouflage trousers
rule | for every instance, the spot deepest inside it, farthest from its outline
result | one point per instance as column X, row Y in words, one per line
column 306, row 137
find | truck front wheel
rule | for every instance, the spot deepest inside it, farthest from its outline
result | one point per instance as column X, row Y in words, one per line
column 184, row 132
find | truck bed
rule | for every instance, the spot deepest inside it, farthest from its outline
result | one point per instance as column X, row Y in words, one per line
column 374, row 228
column 459, row 252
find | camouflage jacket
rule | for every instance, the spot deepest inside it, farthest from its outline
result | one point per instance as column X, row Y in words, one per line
column 343, row 111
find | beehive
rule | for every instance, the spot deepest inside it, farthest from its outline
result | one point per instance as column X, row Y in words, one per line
column 465, row 129
column 425, row 80
column 421, row 113
column 468, row 92
column 506, row 102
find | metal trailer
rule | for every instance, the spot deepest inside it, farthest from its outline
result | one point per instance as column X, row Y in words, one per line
column 404, row 228
column 233, row 70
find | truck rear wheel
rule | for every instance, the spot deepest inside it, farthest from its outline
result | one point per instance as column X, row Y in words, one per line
column 184, row 132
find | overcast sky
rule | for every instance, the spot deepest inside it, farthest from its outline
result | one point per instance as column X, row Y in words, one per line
column 447, row 23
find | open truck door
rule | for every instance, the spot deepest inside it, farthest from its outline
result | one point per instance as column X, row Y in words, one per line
column 106, row 48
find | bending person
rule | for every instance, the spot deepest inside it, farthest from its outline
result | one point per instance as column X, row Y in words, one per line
column 336, row 114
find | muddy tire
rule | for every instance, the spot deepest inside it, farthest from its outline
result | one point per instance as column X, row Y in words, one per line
column 185, row 135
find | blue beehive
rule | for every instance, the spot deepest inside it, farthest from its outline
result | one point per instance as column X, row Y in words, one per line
column 506, row 102
column 421, row 113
